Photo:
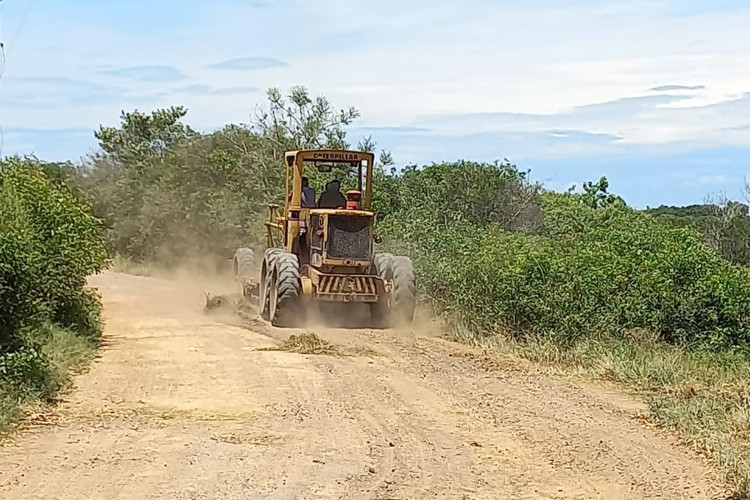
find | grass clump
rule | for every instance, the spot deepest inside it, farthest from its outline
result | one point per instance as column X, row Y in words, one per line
column 306, row 343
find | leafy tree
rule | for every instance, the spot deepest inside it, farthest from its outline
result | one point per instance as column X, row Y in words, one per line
column 722, row 223
column 595, row 195
column 49, row 244
column 593, row 272
column 298, row 121
column 141, row 137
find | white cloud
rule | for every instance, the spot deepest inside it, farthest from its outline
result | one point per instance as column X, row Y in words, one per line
column 248, row 64
column 158, row 74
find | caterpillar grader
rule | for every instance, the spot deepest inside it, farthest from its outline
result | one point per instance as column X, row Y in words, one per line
column 323, row 252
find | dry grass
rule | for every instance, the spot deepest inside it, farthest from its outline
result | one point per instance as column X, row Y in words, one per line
column 242, row 438
column 306, row 343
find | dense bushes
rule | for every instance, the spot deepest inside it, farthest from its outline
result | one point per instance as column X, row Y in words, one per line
column 723, row 225
column 460, row 193
column 589, row 270
column 201, row 199
column 49, row 244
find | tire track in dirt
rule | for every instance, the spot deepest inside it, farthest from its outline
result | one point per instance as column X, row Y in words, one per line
column 185, row 406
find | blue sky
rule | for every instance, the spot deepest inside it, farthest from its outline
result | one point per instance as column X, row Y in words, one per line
column 653, row 94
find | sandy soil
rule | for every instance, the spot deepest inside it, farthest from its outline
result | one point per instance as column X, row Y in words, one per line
column 185, row 406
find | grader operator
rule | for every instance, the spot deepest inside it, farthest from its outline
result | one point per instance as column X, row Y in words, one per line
column 324, row 253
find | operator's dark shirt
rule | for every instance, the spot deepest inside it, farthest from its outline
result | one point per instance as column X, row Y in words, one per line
column 332, row 199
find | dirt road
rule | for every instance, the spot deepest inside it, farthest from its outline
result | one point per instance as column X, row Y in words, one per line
column 185, row 406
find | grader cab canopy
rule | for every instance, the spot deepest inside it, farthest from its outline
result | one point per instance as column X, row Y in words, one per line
column 325, row 162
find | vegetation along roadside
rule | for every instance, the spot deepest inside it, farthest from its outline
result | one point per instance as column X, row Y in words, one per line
column 50, row 322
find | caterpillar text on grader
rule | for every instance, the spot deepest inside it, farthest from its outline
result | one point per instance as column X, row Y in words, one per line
column 317, row 253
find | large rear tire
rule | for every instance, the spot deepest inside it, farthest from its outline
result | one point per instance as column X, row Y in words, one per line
column 382, row 264
column 266, row 277
column 404, row 298
column 285, row 304
column 243, row 266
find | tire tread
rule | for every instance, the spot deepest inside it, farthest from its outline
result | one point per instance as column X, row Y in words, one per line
column 404, row 300
column 288, row 283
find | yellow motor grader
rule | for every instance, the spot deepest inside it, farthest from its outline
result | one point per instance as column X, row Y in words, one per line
column 322, row 251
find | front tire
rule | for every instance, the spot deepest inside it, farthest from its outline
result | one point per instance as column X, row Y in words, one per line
column 284, row 299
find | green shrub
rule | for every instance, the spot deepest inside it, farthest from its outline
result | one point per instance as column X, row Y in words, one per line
column 49, row 244
column 589, row 272
column 462, row 192
column 24, row 371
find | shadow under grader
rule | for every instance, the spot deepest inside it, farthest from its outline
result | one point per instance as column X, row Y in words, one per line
column 348, row 316
column 237, row 311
